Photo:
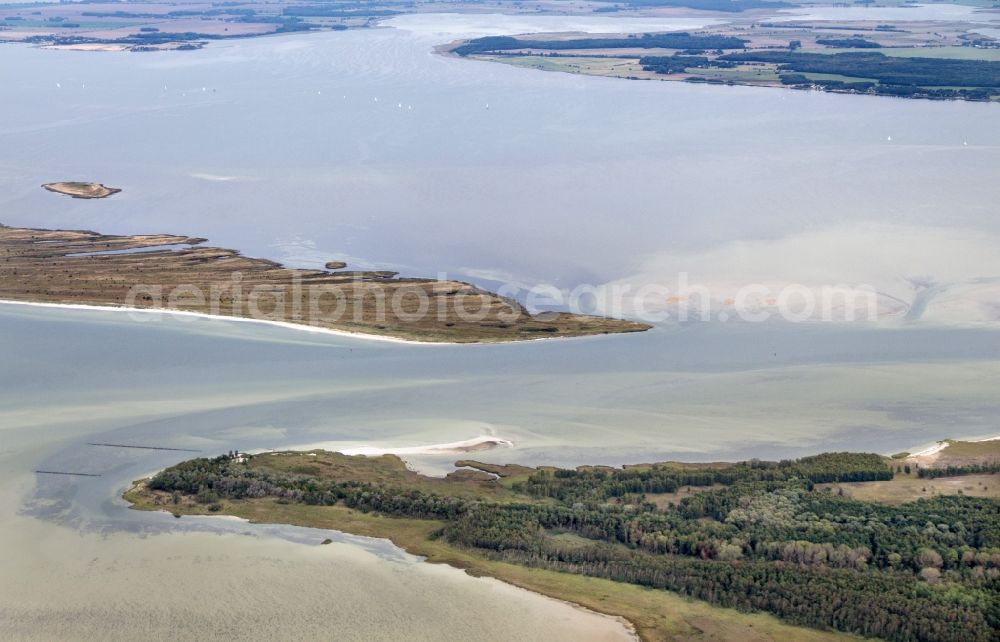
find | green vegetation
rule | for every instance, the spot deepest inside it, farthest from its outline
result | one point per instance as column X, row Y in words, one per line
column 588, row 65
column 827, row 81
column 966, row 73
column 896, row 76
column 969, row 452
column 925, row 72
column 676, row 64
column 956, row 470
column 848, row 43
column 740, row 74
column 676, row 40
column 760, row 536
column 658, row 616
column 959, row 53
column 909, row 487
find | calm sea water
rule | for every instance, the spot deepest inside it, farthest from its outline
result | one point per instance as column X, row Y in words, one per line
column 277, row 147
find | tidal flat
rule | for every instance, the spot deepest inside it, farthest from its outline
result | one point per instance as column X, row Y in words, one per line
column 61, row 267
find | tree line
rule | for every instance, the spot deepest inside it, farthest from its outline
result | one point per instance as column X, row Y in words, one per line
column 888, row 70
column 674, row 40
column 959, row 469
column 758, row 536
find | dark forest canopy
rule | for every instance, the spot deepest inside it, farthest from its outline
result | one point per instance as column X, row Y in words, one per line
column 848, row 43
column 921, row 72
column 756, row 535
column 678, row 40
column 961, row 469
column 678, row 63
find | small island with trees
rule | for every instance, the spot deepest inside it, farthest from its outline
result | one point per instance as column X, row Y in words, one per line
column 830, row 546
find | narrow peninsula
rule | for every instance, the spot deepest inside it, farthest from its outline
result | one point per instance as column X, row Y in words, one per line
column 78, row 189
column 827, row 547
column 179, row 273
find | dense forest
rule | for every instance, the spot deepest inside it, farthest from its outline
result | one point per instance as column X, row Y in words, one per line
column 848, row 43
column 678, row 63
column 754, row 535
column 922, row 72
column 875, row 72
column 677, row 40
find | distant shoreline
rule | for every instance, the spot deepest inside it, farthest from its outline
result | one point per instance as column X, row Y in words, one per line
column 924, row 61
column 574, row 66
